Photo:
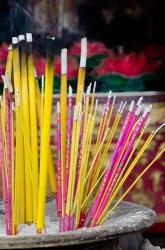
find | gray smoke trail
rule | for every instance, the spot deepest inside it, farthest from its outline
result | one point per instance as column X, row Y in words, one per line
column 14, row 19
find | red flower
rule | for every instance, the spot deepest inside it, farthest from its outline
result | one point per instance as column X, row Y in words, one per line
column 131, row 65
column 93, row 48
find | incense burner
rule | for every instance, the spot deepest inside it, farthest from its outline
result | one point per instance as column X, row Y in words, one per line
column 127, row 219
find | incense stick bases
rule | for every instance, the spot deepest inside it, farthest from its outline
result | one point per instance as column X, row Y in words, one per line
column 127, row 219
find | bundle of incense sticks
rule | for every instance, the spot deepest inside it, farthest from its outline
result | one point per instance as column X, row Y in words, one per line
column 87, row 191
column 90, row 188
column 22, row 108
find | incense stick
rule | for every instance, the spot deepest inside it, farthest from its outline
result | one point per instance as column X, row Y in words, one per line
column 59, row 167
column 33, row 121
column 63, row 104
column 51, row 168
column 4, row 183
column 26, row 121
column 82, row 69
column 68, row 151
column 49, row 76
column 19, row 137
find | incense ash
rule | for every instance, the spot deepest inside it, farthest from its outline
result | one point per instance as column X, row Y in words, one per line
column 85, row 192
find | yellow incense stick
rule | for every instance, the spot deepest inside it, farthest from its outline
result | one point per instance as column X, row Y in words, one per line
column 95, row 156
column 102, row 219
column 99, row 130
column 17, row 163
column 42, row 105
column 104, row 120
column 87, row 97
column 74, row 156
column 8, row 69
column 88, row 132
column 84, row 151
column 4, row 139
column 111, row 112
column 49, row 79
column 26, row 122
column 33, row 121
column 93, row 97
column 3, row 121
column 82, row 69
column 51, row 169
column 13, row 171
column 63, row 108
column 78, row 126
column 28, row 150
column 83, row 168
column 19, row 137
column 80, row 183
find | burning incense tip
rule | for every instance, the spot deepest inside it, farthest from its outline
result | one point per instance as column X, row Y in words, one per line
column 149, row 108
column 70, row 91
column 109, row 94
column 147, row 122
column 119, row 109
column 5, row 82
column 96, row 104
column 64, row 61
column 14, row 40
column 131, row 106
column 10, row 47
column 139, row 109
column 83, row 56
column 21, row 38
column 42, row 81
column 114, row 99
column 139, row 101
column 122, row 109
column 58, row 107
column 161, row 126
column 29, row 37
column 94, row 87
column 145, row 112
column 88, row 90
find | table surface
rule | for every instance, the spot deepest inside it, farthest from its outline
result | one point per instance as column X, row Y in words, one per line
column 126, row 219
